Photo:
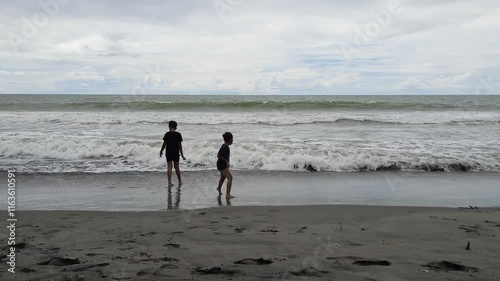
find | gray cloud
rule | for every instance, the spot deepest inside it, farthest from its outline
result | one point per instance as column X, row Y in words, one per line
column 249, row 47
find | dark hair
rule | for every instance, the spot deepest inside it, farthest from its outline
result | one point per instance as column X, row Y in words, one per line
column 227, row 136
column 172, row 124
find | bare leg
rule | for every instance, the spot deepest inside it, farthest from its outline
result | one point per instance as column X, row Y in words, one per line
column 227, row 174
column 169, row 174
column 221, row 182
column 178, row 172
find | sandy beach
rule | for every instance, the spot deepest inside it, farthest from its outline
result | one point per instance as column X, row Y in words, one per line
column 259, row 243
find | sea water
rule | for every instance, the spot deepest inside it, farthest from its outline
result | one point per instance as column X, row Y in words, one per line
column 99, row 134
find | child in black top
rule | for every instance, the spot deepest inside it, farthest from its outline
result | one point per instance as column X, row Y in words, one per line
column 223, row 164
column 172, row 141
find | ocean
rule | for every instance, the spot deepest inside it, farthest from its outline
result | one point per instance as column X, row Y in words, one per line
column 102, row 134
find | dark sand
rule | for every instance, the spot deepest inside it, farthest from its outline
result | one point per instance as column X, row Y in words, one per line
column 258, row 243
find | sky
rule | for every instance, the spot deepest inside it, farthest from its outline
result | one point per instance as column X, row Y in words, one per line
column 268, row 47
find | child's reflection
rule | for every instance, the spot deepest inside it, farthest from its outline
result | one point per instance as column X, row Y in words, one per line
column 177, row 199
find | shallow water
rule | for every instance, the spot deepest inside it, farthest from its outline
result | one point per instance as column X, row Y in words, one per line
column 148, row 192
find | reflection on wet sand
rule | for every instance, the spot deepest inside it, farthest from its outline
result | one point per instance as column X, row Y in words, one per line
column 177, row 199
column 219, row 201
column 176, row 204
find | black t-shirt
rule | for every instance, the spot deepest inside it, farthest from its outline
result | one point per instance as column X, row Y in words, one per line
column 224, row 152
column 172, row 139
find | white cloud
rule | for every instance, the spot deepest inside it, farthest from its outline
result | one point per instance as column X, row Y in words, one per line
column 261, row 47
column 442, row 82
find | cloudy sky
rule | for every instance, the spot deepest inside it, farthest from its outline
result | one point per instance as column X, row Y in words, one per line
column 249, row 47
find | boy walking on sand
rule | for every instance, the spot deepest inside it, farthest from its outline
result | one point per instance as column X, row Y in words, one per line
column 223, row 164
column 172, row 141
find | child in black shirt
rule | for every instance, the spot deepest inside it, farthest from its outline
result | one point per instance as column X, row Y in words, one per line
column 223, row 164
column 172, row 141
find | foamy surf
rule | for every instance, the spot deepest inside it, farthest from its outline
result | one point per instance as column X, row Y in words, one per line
column 98, row 154
column 289, row 139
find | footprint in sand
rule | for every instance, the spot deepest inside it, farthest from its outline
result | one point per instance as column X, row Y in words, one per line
column 94, row 254
column 90, row 266
column 120, row 241
column 309, row 272
column 56, row 261
column 302, row 229
column 259, row 261
column 215, row 271
column 20, row 245
column 472, row 228
column 27, row 270
column 361, row 261
column 450, row 266
column 168, row 259
column 51, row 251
column 172, row 245
column 165, row 271
column 270, row 230
column 51, row 231
column 372, row 262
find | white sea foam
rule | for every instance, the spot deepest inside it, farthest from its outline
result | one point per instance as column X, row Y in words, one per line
column 42, row 153
column 266, row 138
column 270, row 118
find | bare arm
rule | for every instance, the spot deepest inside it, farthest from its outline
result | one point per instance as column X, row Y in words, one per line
column 164, row 145
column 180, row 149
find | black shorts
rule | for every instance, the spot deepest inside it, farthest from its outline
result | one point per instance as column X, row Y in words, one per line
column 221, row 165
column 172, row 157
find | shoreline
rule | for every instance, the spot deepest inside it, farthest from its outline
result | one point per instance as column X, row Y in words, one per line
column 141, row 191
column 257, row 242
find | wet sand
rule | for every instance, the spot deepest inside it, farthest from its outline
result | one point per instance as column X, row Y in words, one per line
column 258, row 243
column 142, row 191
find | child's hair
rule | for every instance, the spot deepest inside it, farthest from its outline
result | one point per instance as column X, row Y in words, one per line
column 227, row 136
column 172, row 124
